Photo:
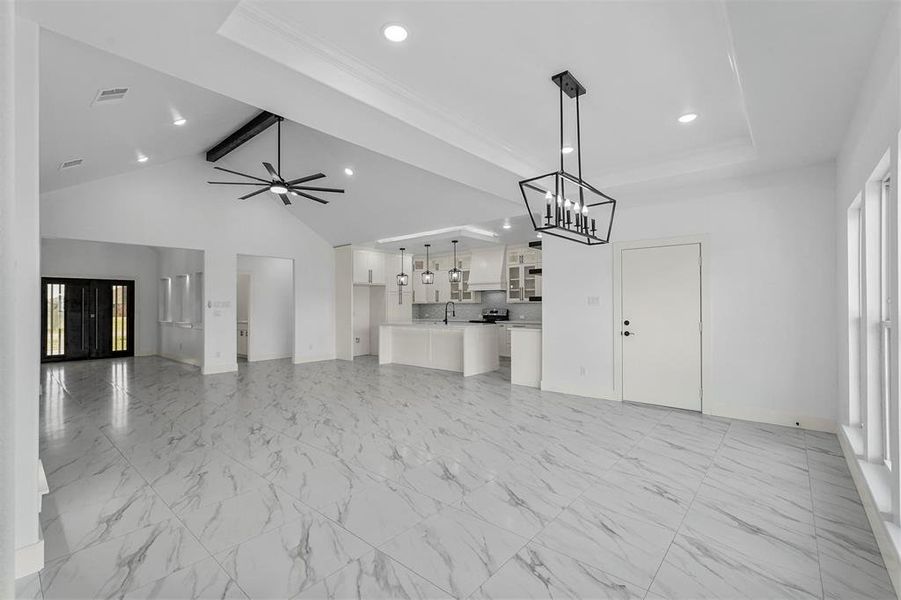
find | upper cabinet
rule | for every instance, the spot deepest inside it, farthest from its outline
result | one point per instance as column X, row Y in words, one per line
column 369, row 267
column 523, row 274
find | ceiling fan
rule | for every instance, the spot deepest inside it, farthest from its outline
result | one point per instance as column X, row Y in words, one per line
column 277, row 184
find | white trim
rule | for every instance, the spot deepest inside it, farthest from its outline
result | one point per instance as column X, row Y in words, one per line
column 220, row 367
column 274, row 356
column 703, row 241
column 888, row 535
column 773, row 417
column 30, row 558
column 312, row 359
column 181, row 359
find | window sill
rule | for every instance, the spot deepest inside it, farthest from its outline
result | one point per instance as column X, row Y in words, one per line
column 874, row 484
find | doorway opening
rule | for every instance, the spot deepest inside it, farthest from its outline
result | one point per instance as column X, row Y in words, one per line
column 264, row 308
column 86, row 318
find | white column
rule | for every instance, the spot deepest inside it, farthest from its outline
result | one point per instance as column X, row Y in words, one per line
column 7, row 319
column 21, row 549
column 27, row 377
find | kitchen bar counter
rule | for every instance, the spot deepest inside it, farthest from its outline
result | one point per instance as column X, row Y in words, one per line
column 469, row 348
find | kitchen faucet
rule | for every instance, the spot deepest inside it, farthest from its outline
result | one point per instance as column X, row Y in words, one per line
column 453, row 310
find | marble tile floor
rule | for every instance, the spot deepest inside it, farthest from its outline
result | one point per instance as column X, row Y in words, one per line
column 347, row 480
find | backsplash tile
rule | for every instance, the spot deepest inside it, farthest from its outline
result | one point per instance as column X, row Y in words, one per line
column 530, row 311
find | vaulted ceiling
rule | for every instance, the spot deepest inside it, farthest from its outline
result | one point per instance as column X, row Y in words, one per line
column 467, row 97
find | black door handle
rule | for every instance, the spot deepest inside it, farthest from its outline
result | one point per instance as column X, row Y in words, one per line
column 627, row 333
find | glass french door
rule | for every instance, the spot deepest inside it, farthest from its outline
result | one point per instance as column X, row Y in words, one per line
column 86, row 318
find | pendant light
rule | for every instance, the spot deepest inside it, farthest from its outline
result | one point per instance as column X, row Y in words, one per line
column 569, row 217
column 455, row 275
column 402, row 278
column 428, row 278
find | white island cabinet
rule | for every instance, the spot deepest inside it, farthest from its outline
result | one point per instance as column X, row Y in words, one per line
column 469, row 348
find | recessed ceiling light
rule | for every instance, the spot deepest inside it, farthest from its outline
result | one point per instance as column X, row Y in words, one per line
column 348, row 171
column 538, row 235
column 394, row 33
column 566, row 149
column 179, row 121
column 142, row 158
column 688, row 117
column 507, row 226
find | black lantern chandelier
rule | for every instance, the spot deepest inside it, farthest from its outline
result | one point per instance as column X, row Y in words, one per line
column 562, row 204
column 428, row 278
column 402, row 278
column 455, row 275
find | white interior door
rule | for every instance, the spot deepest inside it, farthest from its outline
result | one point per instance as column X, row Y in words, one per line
column 661, row 325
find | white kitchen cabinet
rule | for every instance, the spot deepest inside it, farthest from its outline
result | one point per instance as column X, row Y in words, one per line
column 440, row 292
column 392, row 268
column 503, row 340
column 369, row 267
column 522, row 285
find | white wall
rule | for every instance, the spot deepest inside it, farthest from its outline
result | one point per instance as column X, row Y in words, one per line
column 180, row 341
column 271, row 307
column 171, row 205
column 771, row 294
column 94, row 260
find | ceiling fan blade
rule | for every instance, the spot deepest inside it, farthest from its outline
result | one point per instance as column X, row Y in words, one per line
column 319, row 200
column 259, row 191
column 235, row 183
column 241, row 174
column 305, row 179
column 285, row 199
column 272, row 172
column 316, row 189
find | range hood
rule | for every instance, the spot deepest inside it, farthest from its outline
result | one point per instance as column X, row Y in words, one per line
column 486, row 270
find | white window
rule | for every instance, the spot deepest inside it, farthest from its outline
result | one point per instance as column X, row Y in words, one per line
column 887, row 235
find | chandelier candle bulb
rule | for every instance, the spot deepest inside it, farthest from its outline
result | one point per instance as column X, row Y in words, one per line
column 570, row 218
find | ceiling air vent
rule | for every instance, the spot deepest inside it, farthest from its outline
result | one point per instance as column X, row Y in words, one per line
column 70, row 164
column 110, row 95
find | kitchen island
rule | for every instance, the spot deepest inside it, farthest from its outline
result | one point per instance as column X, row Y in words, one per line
column 468, row 348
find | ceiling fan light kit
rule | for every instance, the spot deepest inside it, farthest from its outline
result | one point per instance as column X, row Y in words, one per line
column 564, row 205
column 276, row 183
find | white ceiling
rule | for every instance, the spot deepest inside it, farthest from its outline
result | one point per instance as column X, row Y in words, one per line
column 468, row 96
column 108, row 137
column 772, row 81
column 383, row 198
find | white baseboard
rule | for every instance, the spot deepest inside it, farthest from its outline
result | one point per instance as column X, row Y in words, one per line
column 311, row 359
column 262, row 357
column 182, row 359
column 223, row 367
column 774, row 417
column 579, row 390
column 888, row 535
column 30, row 559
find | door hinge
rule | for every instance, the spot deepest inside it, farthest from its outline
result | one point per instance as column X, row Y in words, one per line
column 701, row 393
column 701, row 326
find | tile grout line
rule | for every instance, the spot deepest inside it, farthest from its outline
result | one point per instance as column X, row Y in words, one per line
column 690, row 504
column 816, row 533
column 176, row 516
column 562, row 510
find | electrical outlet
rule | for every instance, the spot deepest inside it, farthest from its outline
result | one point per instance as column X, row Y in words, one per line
column 594, row 300
column 581, row 370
